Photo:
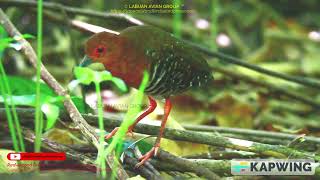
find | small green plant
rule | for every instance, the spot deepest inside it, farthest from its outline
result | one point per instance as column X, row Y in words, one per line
column 129, row 119
column 5, row 89
column 47, row 105
column 23, row 93
column 87, row 76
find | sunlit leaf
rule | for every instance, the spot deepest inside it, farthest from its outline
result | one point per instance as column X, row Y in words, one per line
column 120, row 84
column 53, row 99
column 84, row 75
column 28, row 36
column 104, row 76
column 24, row 100
column 52, row 114
column 73, row 84
column 16, row 46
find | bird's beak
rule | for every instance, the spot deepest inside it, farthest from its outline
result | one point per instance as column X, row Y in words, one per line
column 86, row 61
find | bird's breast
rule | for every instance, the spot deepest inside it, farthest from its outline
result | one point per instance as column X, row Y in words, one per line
column 129, row 68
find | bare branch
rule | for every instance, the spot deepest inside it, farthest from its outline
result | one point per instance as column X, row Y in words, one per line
column 250, row 132
column 73, row 112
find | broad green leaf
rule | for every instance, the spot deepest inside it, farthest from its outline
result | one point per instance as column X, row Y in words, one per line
column 23, row 100
column 30, row 100
column 52, row 99
column 22, row 86
column 120, row 84
column 52, row 114
column 103, row 76
column 79, row 102
column 84, row 75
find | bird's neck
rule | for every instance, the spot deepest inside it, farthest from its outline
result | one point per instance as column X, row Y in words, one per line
column 129, row 66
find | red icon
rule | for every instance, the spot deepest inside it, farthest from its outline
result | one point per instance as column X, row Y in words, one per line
column 42, row 156
column 15, row 156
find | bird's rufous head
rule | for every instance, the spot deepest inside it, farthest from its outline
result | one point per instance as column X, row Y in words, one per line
column 117, row 55
column 101, row 47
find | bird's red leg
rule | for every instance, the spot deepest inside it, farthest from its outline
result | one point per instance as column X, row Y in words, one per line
column 150, row 109
column 156, row 146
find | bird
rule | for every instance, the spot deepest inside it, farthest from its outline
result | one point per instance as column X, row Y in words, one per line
column 173, row 65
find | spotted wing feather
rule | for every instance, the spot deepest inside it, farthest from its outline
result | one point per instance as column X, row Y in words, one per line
column 173, row 72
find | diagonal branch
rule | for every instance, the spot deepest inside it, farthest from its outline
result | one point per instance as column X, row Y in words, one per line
column 74, row 114
column 86, row 129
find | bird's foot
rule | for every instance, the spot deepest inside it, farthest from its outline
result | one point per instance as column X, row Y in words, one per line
column 115, row 130
column 148, row 155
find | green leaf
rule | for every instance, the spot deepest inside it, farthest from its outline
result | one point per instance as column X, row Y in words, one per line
column 24, row 100
column 84, row 75
column 3, row 45
column 103, row 76
column 22, row 86
column 28, row 36
column 81, row 106
column 52, row 99
column 120, row 84
column 30, row 100
column 52, row 113
column 3, row 32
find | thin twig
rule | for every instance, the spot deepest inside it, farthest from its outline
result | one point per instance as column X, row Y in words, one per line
column 137, row 153
column 250, row 132
column 145, row 172
column 269, row 86
column 220, row 155
column 313, row 83
column 74, row 114
column 56, row 147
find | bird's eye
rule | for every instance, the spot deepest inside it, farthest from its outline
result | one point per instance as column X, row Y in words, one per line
column 99, row 50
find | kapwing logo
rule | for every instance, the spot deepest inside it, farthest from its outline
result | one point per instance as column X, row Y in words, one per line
column 273, row 167
column 241, row 166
